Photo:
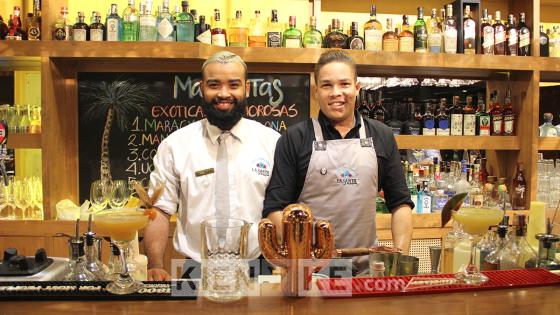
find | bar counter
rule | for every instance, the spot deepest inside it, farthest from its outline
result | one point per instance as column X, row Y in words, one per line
column 540, row 300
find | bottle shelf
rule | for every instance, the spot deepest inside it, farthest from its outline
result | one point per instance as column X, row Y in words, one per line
column 549, row 143
column 458, row 142
column 24, row 141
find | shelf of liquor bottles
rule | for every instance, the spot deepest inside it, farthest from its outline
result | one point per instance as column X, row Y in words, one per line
column 459, row 142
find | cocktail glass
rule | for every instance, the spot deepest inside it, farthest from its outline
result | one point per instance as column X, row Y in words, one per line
column 476, row 222
column 121, row 225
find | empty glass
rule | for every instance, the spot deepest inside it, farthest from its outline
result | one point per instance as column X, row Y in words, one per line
column 119, row 193
column 99, row 194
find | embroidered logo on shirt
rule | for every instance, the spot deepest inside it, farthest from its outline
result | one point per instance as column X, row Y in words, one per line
column 346, row 176
column 261, row 167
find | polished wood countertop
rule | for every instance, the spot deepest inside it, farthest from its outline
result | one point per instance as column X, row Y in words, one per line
column 541, row 300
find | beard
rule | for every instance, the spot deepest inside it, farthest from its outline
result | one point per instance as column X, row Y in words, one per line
column 225, row 120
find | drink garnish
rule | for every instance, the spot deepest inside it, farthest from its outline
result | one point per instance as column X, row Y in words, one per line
column 453, row 204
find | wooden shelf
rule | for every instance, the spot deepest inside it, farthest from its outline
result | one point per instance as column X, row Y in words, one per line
column 549, row 144
column 24, row 141
column 458, row 142
column 550, row 69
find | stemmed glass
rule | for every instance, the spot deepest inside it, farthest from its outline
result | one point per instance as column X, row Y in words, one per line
column 476, row 222
column 119, row 193
column 21, row 197
column 122, row 226
column 99, row 194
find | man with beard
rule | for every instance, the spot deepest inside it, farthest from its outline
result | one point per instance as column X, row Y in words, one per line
column 219, row 166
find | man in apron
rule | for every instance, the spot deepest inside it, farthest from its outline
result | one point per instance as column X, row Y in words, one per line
column 338, row 162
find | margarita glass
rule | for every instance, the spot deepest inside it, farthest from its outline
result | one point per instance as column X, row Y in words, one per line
column 476, row 222
column 121, row 225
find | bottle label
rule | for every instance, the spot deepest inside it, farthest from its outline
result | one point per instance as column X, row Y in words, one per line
column 426, row 204
column 356, row 44
column 497, row 124
column 429, row 128
column 469, row 124
column 456, row 124
column 95, row 35
column 60, row 34
column 509, row 121
column 470, row 30
column 415, row 201
column 257, row 41
column 165, row 28
column 274, row 39
column 293, row 43
column 420, row 39
column 148, row 21
column 373, row 39
column 500, row 37
column 524, row 40
column 484, row 126
column 544, row 40
column 238, row 37
column 442, row 132
column 34, row 33
column 477, row 200
column 396, row 131
column 450, row 41
column 443, row 128
column 440, row 201
column 219, row 40
column 488, row 33
column 405, row 44
column 312, row 45
column 434, row 42
column 113, row 30
column 512, row 37
column 414, row 131
column 205, row 37
column 391, row 45
column 80, row 35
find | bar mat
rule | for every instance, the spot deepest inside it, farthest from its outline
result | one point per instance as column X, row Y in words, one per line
column 426, row 284
column 94, row 290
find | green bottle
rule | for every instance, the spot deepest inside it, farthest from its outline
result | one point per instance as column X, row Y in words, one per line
column 130, row 23
column 313, row 37
column 292, row 36
column 420, row 33
column 185, row 24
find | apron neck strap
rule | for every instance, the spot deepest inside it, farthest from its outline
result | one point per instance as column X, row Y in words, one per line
column 319, row 132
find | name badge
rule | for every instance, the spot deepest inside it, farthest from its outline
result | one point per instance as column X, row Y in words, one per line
column 204, row 172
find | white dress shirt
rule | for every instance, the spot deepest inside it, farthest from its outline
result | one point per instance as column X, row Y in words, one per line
column 193, row 149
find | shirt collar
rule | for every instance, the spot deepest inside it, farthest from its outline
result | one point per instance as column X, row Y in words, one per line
column 239, row 131
column 326, row 122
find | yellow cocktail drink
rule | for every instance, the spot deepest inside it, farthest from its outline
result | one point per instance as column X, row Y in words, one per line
column 476, row 221
column 122, row 224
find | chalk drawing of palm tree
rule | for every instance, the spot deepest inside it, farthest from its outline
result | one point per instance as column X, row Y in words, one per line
column 118, row 101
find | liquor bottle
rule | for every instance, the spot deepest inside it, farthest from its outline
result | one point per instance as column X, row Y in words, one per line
column 394, row 122
column 363, row 108
column 165, row 24
column 486, row 34
column 355, row 41
column 378, row 112
column 492, row 260
column 469, row 118
column 512, row 37
column 435, row 36
column 390, row 38
column 469, row 33
column 450, row 242
column 292, row 36
column 442, row 120
column 456, row 113
column 553, row 47
column 238, row 31
column 519, row 186
column 524, row 34
column 15, row 31
column 218, row 31
column 544, row 42
column 509, row 116
column 420, row 33
column 148, row 25
column 373, row 31
column 113, row 24
column 411, row 186
column 185, row 24
column 97, row 29
column 428, row 122
column 450, row 32
column 427, row 198
column 3, row 29
column 274, row 32
column 476, row 192
column 130, row 23
column 548, row 129
column 412, row 126
column 335, row 39
column 441, row 19
column 496, row 117
column 203, row 33
column 500, row 40
column 482, row 118
column 463, row 185
column 313, row 37
column 257, row 32
column 194, row 14
column 406, row 38
column 80, row 30
column 34, row 26
column 517, row 251
column 62, row 30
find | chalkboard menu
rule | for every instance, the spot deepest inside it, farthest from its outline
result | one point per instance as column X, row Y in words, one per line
column 173, row 100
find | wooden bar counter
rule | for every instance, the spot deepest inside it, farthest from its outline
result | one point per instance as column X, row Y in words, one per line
column 541, row 300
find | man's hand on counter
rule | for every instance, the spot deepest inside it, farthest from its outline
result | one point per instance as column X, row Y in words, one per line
column 158, row 274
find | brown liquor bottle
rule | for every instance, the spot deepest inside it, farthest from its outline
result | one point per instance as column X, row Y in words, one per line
column 219, row 36
column 518, row 189
column 524, row 36
column 486, row 34
column 34, row 26
column 406, row 38
column 512, row 37
column 335, row 39
column 390, row 38
column 469, row 118
column 509, row 116
column 496, row 117
column 499, row 35
column 96, row 29
column 80, row 30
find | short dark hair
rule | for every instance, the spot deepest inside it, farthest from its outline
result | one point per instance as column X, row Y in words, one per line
column 335, row 55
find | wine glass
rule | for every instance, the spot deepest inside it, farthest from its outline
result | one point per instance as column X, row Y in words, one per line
column 21, row 199
column 119, row 193
column 38, row 197
column 122, row 226
column 99, row 194
column 476, row 222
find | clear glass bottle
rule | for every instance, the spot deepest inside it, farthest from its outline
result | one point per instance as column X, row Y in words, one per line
column 165, row 24
column 476, row 194
column 390, row 38
column 435, row 35
column 524, row 33
column 492, row 259
column 548, row 129
column 449, row 244
column 130, row 23
column 238, row 32
column 148, row 25
column 355, row 41
column 518, row 250
column 96, row 29
column 274, row 32
column 406, row 37
column 469, row 32
column 373, row 31
column 500, row 37
column 450, row 32
column 488, row 193
column 484, row 247
column 113, row 24
column 93, row 257
column 80, row 30
column 420, row 33
column 77, row 262
column 219, row 33
column 62, row 29
column 512, row 38
column 292, row 36
column 185, row 24
column 486, row 34
column 312, row 37
column 257, row 32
